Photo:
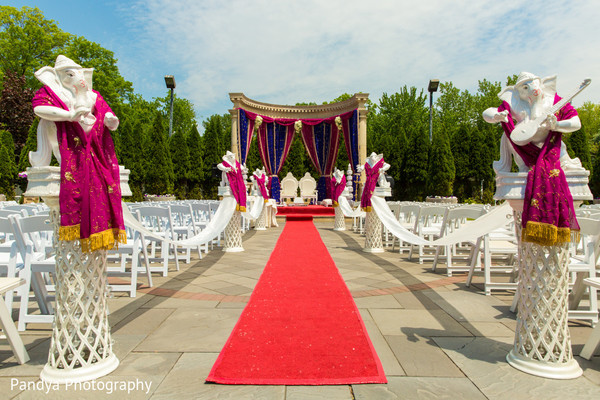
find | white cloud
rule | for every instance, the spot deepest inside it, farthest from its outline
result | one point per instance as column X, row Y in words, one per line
column 293, row 51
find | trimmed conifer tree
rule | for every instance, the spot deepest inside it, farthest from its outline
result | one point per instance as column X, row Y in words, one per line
column 253, row 161
column 7, row 139
column 159, row 168
column 578, row 145
column 595, row 176
column 197, row 166
column 30, row 145
column 180, row 155
column 441, row 166
column 414, row 170
column 6, row 176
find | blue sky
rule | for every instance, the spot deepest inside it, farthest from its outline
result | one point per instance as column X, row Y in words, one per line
column 284, row 52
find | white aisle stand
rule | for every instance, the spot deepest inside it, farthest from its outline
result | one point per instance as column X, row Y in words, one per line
column 373, row 225
column 339, row 223
column 232, row 241
column 81, row 345
column 542, row 343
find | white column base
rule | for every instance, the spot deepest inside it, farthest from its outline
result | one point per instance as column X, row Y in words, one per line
column 87, row 373
column 233, row 234
column 542, row 344
column 373, row 233
column 261, row 221
column 339, row 223
column 568, row 370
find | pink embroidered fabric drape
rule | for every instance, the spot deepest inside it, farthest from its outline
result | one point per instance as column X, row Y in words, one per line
column 90, row 191
column 337, row 189
column 261, row 181
column 548, row 212
column 372, row 173
column 237, row 184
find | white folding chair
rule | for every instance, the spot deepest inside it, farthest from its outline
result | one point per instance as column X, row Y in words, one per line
column 454, row 218
column 133, row 250
column 183, row 226
column 593, row 342
column 583, row 266
column 33, row 236
column 10, row 261
column 159, row 221
column 6, row 321
column 428, row 225
column 500, row 257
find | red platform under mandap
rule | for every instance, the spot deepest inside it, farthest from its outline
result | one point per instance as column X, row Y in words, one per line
column 315, row 211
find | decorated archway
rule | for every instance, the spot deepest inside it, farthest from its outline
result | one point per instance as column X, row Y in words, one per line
column 319, row 125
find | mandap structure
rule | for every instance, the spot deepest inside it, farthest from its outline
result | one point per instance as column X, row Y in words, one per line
column 320, row 127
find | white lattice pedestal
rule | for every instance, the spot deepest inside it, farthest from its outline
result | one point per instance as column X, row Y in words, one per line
column 542, row 341
column 261, row 221
column 339, row 223
column 233, row 234
column 373, row 233
column 81, row 344
column 542, row 344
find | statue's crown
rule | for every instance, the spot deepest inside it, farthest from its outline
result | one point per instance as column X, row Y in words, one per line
column 63, row 62
column 524, row 77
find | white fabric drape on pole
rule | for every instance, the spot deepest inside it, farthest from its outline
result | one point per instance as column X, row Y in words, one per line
column 256, row 209
column 347, row 209
column 470, row 231
column 216, row 225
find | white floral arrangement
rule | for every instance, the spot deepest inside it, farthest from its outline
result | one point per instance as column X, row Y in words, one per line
column 257, row 122
column 338, row 123
column 298, row 126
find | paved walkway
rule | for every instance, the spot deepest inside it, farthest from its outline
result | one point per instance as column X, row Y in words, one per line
column 436, row 338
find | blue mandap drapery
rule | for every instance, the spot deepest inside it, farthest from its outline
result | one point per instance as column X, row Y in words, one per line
column 320, row 138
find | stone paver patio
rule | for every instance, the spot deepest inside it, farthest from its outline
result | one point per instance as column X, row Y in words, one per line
column 436, row 338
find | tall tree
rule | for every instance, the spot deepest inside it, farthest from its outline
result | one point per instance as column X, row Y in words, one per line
column 415, row 167
column 7, row 139
column 180, row 155
column 30, row 145
column 28, row 41
column 106, row 78
column 197, row 170
column 16, row 113
column 159, row 167
column 6, row 174
column 440, row 171
column 216, row 140
column 578, row 145
column 595, row 177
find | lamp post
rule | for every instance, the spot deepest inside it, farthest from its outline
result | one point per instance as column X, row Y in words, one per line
column 433, row 87
column 170, row 81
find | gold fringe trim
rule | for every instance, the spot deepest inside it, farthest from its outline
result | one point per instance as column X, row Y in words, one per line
column 266, row 200
column 105, row 240
column 335, row 203
column 547, row 234
column 240, row 208
column 367, row 209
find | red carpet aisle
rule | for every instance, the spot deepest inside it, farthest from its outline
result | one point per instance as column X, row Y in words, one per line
column 301, row 326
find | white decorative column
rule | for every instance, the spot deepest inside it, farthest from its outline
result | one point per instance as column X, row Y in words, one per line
column 362, row 138
column 339, row 223
column 374, row 226
column 81, row 344
column 235, row 136
column 542, row 343
column 232, row 235
column 261, row 221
